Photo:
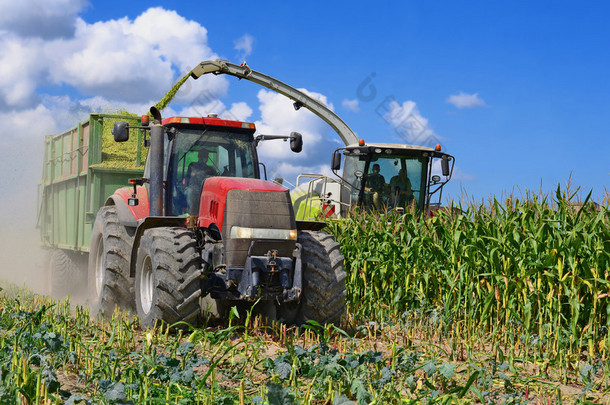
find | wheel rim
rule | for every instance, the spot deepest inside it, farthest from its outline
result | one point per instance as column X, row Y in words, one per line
column 99, row 267
column 146, row 285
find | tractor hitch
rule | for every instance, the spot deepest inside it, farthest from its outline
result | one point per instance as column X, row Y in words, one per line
column 270, row 276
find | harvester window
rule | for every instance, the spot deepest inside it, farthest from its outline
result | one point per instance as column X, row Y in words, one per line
column 352, row 173
column 393, row 181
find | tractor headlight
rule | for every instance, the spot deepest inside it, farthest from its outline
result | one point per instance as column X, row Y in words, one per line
column 240, row 232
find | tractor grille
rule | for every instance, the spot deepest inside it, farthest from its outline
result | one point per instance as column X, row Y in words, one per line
column 256, row 209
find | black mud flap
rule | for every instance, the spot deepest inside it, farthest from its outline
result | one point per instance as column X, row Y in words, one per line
column 310, row 225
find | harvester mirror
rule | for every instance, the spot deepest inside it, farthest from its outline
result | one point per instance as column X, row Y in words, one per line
column 336, row 161
column 120, row 131
column 445, row 166
column 296, row 142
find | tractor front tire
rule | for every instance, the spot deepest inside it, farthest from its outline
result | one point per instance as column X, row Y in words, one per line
column 109, row 283
column 323, row 296
column 168, row 278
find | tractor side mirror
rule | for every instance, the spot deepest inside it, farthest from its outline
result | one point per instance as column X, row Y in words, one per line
column 445, row 166
column 296, row 142
column 336, row 161
column 120, row 130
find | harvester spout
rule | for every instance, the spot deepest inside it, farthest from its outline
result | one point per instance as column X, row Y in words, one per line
column 300, row 98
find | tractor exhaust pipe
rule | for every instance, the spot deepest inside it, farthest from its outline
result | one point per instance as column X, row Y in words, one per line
column 156, row 165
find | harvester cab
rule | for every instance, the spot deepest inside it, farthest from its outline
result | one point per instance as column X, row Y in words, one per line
column 391, row 177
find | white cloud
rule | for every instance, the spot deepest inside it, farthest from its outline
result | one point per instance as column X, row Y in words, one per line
column 465, row 100
column 116, row 59
column 408, row 123
column 238, row 112
column 28, row 123
column 134, row 59
column 21, row 65
column 40, row 18
column 243, row 45
column 351, row 105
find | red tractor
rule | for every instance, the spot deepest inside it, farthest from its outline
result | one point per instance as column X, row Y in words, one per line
column 201, row 231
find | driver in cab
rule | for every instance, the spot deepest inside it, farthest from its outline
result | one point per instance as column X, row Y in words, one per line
column 201, row 169
column 196, row 174
column 401, row 190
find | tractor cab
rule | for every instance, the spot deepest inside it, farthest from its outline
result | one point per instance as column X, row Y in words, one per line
column 200, row 148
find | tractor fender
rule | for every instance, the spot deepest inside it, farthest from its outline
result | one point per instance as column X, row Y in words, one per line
column 130, row 215
column 149, row 223
column 125, row 216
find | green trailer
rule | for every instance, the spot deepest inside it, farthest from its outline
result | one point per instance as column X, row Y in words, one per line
column 82, row 167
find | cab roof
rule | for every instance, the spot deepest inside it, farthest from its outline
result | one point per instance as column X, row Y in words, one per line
column 392, row 148
column 213, row 121
column 400, row 146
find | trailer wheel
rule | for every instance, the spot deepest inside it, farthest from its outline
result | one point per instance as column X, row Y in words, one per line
column 109, row 283
column 323, row 296
column 65, row 277
column 168, row 278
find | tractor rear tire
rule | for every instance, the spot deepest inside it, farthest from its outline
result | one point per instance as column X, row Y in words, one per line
column 65, row 277
column 168, row 278
column 323, row 296
column 109, row 283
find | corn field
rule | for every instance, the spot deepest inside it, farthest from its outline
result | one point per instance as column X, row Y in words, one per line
column 529, row 276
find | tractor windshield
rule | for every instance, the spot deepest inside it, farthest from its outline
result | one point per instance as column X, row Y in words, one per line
column 198, row 154
column 384, row 182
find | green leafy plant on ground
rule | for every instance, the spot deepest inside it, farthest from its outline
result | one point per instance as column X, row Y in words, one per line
column 52, row 354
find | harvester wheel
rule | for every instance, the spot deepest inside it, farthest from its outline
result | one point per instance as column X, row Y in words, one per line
column 168, row 278
column 65, row 278
column 323, row 296
column 109, row 282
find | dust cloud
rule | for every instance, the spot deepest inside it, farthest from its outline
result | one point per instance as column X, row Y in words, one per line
column 22, row 260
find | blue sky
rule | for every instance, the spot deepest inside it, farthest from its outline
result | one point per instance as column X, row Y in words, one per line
column 542, row 69
column 528, row 83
